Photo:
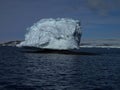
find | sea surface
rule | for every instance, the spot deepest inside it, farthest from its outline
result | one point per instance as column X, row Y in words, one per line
column 52, row 71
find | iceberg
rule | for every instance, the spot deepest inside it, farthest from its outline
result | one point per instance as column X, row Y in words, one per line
column 60, row 34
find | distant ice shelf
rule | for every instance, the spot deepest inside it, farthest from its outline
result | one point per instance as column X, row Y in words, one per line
column 100, row 43
column 99, row 46
column 60, row 33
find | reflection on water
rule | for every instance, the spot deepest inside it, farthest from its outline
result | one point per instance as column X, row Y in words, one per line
column 52, row 71
column 27, row 71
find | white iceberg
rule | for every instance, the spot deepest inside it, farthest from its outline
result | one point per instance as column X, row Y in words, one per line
column 60, row 33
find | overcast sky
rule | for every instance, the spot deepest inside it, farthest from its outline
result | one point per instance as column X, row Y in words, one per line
column 99, row 18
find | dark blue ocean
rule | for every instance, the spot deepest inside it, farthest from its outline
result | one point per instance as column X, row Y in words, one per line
column 51, row 71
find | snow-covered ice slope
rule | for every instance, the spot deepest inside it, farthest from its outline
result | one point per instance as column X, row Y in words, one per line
column 60, row 33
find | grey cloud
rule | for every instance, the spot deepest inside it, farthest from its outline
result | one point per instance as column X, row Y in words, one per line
column 103, row 7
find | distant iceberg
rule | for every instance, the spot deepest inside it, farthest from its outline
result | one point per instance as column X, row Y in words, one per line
column 60, row 33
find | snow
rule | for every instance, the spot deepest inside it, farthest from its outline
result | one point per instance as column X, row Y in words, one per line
column 60, row 33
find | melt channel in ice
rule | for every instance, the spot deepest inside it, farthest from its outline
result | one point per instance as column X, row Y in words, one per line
column 60, row 33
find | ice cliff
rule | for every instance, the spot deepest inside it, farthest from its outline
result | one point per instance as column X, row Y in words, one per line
column 60, row 33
